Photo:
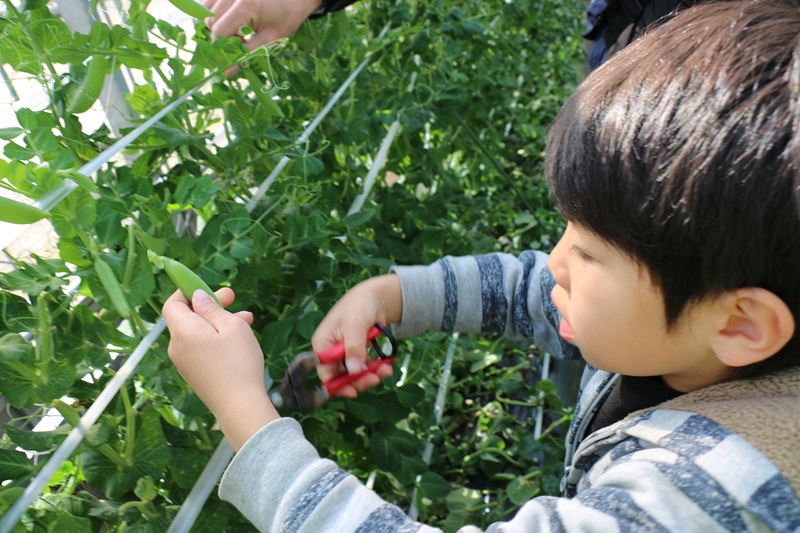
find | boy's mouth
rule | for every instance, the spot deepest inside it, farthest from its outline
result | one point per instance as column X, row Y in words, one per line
column 565, row 330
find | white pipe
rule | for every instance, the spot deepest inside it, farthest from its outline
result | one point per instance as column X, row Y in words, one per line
column 380, row 157
column 190, row 510
column 537, row 429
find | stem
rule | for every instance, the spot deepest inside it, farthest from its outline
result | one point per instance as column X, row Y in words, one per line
column 554, row 425
column 114, row 456
column 204, row 436
column 44, row 342
column 131, row 261
column 130, row 419
column 143, row 507
column 27, row 372
column 137, row 322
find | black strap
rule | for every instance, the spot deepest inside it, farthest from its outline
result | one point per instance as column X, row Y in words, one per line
column 329, row 6
column 625, row 13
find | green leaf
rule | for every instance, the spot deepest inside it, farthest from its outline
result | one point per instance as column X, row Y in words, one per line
column 78, row 210
column 186, row 465
column 143, row 282
column 23, row 383
column 486, row 359
column 222, row 53
column 17, row 152
column 109, row 225
column 39, row 441
column 358, row 219
column 384, row 454
column 372, row 407
column 16, row 49
column 434, row 486
column 14, row 313
column 409, row 469
column 308, row 323
column 145, row 489
column 521, row 490
column 14, row 464
column 9, row 133
column 150, row 457
column 14, row 348
column 68, row 522
column 410, row 395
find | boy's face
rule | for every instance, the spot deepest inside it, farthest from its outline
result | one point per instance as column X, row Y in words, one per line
column 614, row 313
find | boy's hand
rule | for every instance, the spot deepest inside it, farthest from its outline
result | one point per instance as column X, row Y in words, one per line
column 217, row 354
column 377, row 299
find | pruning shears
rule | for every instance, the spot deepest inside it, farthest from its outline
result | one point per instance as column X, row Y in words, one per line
column 293, row 390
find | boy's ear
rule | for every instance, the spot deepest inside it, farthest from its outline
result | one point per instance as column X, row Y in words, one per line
column 753, row 324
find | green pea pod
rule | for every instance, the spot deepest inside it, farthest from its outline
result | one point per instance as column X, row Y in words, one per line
column 186, row 280
column 68, row 412
column 91, row 86
column 19, row 213
column 192, row 8
column 112, row 287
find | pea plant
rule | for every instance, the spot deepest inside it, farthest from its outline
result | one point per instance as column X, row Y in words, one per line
column 241, row 185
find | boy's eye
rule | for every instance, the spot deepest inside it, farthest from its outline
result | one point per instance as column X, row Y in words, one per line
column 580, row 254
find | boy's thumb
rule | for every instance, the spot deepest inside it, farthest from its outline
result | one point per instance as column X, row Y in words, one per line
column 204, row 305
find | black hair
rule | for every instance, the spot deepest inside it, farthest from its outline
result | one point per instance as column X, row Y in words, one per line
column 683, row 151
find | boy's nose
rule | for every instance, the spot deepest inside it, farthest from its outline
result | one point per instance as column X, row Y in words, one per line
column 557, row 262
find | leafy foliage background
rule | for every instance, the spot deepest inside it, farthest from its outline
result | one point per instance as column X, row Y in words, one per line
column 462, row 177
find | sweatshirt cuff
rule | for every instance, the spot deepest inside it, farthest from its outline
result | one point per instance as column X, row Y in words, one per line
column 268, row 464
column 422, row 288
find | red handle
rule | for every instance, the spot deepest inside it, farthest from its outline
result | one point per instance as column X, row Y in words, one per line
column 337, row 383
column 335, row 354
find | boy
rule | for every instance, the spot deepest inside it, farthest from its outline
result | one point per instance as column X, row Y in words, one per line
column 677, row 167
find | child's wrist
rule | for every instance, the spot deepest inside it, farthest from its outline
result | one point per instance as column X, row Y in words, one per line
column 391, row 297
column 241, row 423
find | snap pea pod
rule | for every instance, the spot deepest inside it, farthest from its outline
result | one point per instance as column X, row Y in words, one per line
column 68, row 412
column 186, row 280
column 113, row 288
column 192, row 8
column 19, row 213
column 91, row 86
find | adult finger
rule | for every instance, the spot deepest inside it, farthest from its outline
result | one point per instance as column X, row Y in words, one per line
column 230, row 22
column 220, row 8
column 265, row 37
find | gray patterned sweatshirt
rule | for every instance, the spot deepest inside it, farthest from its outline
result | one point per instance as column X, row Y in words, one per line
column 724, row 458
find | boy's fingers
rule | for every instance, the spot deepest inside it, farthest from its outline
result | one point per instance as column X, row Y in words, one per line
column 226, row 296
column 247, row 316
column 355, row 347
column 205, row 306
column 179, row 315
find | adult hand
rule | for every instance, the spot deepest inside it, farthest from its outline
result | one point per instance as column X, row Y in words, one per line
column 377, row 299
column 218, row 355
column 269, row 19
